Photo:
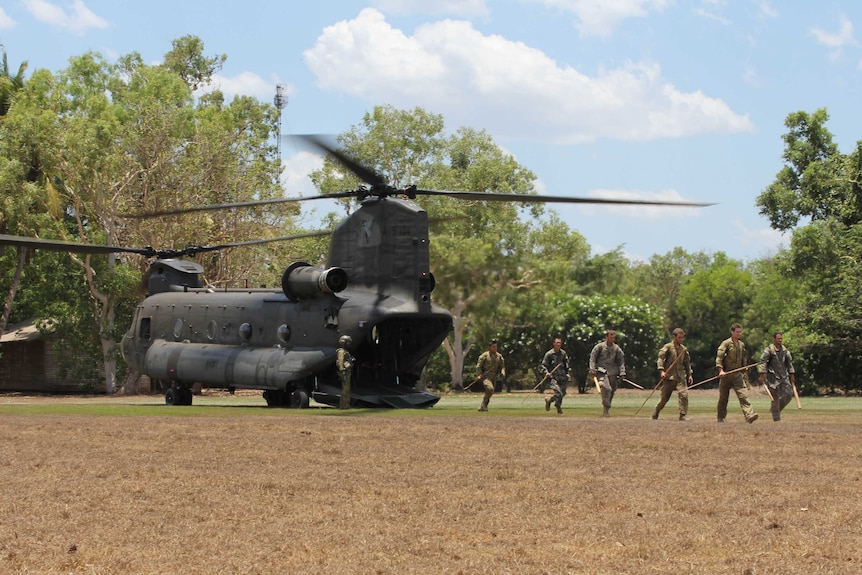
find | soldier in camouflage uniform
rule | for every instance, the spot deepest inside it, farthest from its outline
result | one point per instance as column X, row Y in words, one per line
column 490, row 366
column 555, row 362
column 776, row 370
column 608, row 364
column 344, row 363
column 733, row 355
column 678, row 378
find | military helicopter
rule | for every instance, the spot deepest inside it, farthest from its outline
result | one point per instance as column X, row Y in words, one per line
column 376, row 287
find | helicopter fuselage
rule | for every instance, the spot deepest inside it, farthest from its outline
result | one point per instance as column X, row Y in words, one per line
column 284, row 342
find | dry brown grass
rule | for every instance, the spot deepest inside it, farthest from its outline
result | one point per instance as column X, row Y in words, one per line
column 292, row 492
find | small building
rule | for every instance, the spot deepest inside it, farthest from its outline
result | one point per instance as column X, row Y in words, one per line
column 28, row 362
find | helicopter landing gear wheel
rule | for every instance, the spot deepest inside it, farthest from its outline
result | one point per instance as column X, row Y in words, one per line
column 178, row 395
column 299, row 399
column 276, row 398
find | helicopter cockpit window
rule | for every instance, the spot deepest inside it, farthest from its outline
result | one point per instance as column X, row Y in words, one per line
column 245, row 331
column 178, row 329
column 212, row 330
column 144, row 332
column 283, row 333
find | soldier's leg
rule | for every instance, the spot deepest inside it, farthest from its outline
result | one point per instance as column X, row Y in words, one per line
column 558, row 394
column 666, row 391
column 723, row 396
column 344, row 400
column 775, row 404
column 741, row 390
column 682, row 399
column 489, row 391
column 786, row 394
column 607, row 395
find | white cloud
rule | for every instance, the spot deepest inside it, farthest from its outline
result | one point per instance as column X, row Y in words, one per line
column 602, row 17
column 6, row 21
column 78, row 21
column 770, row 241
column 640, row 212
column 766, row 10
column 843, row 38
column 438, row 7
column 506, row 87
column 246, row 84
column 713, row 16
column 296, row 168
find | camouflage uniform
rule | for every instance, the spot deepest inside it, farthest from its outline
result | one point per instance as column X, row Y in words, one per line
column 489, row 366
column 777, row 363
column 344, row 363
column 732, row 356
column 676, row 379
column 559, row 379
column 608, row 364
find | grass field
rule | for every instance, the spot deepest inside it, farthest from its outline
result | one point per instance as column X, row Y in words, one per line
column 128, row 485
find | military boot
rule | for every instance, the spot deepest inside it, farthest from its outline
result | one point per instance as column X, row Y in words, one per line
column 606, row 412
column 548, row 401
column 559, row 409
column 655, row 413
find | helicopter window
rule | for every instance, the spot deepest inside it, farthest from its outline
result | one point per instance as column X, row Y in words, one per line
column 145, row 329
column 245, row 331
column 212, row 330
column 178, row 329
column 284, row 333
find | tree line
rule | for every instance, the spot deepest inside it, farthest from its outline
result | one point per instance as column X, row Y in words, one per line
column 83, row 147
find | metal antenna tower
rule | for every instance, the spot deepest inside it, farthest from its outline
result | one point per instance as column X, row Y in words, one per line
column 280, row 102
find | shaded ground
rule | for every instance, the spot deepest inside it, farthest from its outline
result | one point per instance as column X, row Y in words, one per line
column 448, row 490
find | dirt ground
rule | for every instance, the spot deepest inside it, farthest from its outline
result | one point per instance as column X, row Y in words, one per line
column 443, row 491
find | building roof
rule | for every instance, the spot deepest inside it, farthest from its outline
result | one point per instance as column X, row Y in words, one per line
column 24, row 331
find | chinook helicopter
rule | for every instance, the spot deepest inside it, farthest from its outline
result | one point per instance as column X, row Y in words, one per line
column 376, row 288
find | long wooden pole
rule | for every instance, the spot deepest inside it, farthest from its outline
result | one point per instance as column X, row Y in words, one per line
column 633, row 383
column 717, row 376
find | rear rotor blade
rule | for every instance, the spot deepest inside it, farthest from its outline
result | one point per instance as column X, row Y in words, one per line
column 214, row 207
column 530, row 198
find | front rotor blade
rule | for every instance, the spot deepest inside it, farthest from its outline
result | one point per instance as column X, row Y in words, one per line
column 530, row 198
column 364, row 173
column 316, row 234
column 61, row 246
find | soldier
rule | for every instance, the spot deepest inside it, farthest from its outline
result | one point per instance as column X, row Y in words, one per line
column 344, row 363
column 608, row 364
column 556, row 363
column 732, row 355
column 776, row 370
column 490, row 366
column 674, row 365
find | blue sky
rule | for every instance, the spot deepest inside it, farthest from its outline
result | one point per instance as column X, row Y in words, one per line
column 651, row 99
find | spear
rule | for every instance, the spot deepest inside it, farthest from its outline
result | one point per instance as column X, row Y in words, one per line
column 717, row 376
column 547, row 375
column 796, row 394
column 670, row 367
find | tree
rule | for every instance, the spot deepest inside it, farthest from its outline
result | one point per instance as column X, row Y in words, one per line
column 821, row 185
column 582, row 321
column 127, row 137
column 709, row 303
column 817, row 181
